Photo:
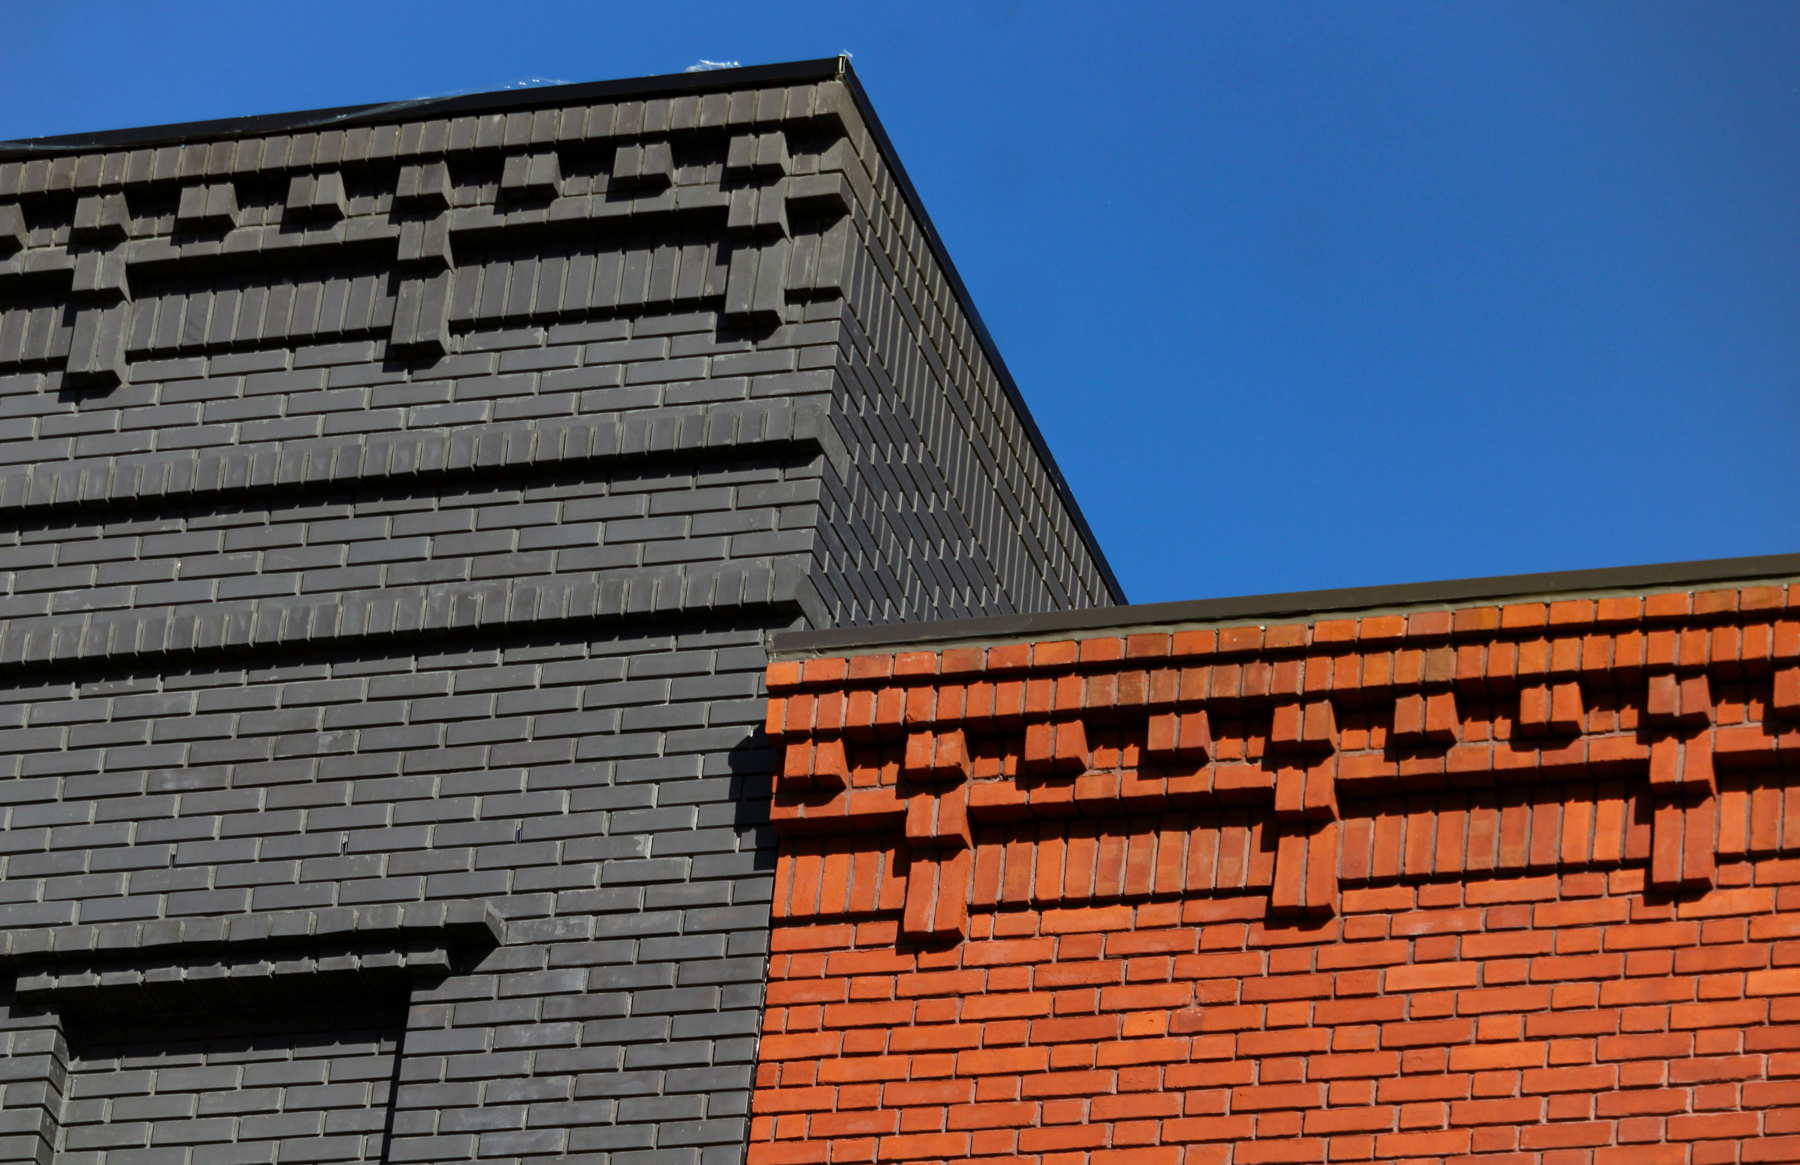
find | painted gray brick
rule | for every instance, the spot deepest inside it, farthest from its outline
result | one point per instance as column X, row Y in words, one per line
column 296, row 621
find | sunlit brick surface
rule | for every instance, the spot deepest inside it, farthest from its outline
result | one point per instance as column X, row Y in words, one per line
column 1513, row 883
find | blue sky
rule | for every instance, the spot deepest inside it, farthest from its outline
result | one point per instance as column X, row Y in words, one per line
column 1302, row 294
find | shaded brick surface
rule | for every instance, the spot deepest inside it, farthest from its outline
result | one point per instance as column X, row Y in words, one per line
column 395, row 513
column 248, row 1090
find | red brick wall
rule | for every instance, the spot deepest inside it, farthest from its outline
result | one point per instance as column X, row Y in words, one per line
column 1555, row 1019
column 1515, row 883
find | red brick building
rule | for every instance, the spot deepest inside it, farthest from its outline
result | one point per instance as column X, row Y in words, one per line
column 1504, row 870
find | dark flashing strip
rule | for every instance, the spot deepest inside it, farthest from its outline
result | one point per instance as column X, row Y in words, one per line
column 827, row 68
column 709, row 81
column 1304, row 604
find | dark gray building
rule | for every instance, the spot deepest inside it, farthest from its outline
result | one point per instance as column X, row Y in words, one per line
column 396, row 502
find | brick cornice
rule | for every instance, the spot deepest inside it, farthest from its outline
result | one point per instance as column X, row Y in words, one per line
column 910, row 752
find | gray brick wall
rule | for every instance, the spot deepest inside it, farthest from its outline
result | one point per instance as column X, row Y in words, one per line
column 393, row 516
column 232, row 1092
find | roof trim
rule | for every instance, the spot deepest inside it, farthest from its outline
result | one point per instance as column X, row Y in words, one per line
column 1292, row 604
column 823, row 69
column 826, row 68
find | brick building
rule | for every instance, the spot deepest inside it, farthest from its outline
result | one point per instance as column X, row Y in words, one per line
column 396, row 503
column 407, row 508
column 1499, row 870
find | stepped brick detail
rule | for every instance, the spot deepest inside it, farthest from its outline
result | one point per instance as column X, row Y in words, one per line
column 1509, row 879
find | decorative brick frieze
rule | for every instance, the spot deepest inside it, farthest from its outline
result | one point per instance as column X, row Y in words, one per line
column 1673, row 701
column 398, row 196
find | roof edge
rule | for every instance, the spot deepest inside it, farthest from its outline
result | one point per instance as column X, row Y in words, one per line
column 825, row 68
column 1446, row 592
column 988, row 348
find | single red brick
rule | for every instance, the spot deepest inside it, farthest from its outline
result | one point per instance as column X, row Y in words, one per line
column 1424, row 1144
column 1065, row 1137
column 1715, row 602
column 1285, row 636
column 1564, row 1136
column 1716, row 903
column 788, row 1152
column 916, row 663
column 1516, row 616
column 1089, row 919
column 858, row 1069
column 1641, row 1155
column 1106, row 649
column 871, row 667
column 829, row 670
column 1431, row 977
column 1518, row 1110
column 1141, row 1155
column 1706, row 1070
column 1506, row 890
column 1261, row 1098
column 1487, row 1057
column 1209, row 1128
column 1186, row 644
column 1434, row 1086
column 1429, row 624
column 1570, row 1023
column 958, row 661
column 1147, row 646
column 1571, row 612
column 1760, row 599
column 1009, row 657
column 1657, row 1046
column 1353, row 1065
column 1360, row 1119
column 1334, row 631
column 924, row 1145
column 1621, row 609
column 1710, row 1125
column 1437, row 1032
column 1233, row 639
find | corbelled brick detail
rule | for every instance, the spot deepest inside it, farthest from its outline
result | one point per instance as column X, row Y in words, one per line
column 1635, row 711
column 1506, row 880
